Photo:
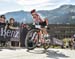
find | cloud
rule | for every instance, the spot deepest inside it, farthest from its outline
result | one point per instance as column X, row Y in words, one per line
column 28, row 5
column 5, row 0
column 72, row 2
column 31, row 2
column 35, row 4
column 41, row 4
column 45, row 6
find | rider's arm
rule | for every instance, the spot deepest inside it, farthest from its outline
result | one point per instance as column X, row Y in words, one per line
column 11, row 27
column 46, row 21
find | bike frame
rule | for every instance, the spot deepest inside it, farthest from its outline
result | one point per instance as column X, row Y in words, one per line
column 41, row 40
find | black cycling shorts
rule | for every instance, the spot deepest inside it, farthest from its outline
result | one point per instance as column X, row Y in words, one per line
column 43, row 24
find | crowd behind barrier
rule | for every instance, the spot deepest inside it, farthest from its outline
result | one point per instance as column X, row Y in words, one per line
column 12, row 32
column 15, row 36
column 69, row 43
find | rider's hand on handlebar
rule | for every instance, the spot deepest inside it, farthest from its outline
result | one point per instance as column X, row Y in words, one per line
column 17, row 27
column 46, row 26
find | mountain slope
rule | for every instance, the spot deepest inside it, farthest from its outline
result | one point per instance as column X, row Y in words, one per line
column 62, row 15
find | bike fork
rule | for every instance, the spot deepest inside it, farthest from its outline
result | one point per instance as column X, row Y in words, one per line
column 33, row 36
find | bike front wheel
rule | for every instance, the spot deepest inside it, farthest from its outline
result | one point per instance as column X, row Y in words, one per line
column 31, row 40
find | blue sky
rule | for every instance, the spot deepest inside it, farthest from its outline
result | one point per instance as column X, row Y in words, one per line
column 27, row 5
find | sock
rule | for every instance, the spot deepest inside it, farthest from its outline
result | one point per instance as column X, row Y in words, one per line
column 46, row 35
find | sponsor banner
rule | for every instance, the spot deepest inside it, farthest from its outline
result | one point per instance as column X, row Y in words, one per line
column 4, row 33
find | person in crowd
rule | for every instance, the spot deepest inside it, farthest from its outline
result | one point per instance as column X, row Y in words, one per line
column 71, row 43
column 74, row 43
column 23, row 32
column 2, row 20
column 23, row 25
column 2, row 25
column 12, row 27
column 11, row 24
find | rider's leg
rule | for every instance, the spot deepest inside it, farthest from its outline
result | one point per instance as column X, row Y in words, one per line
column 39, row 40
column 45, row 32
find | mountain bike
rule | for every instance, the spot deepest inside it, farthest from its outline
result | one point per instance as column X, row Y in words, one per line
column 33, row 40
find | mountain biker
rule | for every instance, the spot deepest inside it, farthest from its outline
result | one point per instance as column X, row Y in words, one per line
column 40, row 22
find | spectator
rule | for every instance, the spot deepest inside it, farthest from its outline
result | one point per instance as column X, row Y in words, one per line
column 2, row 20
column 2, row 25
column 24, row 30
column 74, row 44
column 71, row 43
column 23, row 25
column 11, row 24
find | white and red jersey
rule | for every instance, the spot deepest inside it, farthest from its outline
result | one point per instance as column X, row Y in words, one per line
column 39, row 19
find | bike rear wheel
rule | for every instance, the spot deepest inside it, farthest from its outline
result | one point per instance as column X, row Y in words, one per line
column 46, row 45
